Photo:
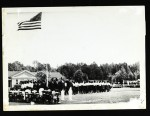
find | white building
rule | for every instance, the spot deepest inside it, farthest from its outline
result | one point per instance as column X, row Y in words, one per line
column 14, row 77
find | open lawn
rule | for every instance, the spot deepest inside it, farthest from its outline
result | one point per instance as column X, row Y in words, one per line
column 114, row 96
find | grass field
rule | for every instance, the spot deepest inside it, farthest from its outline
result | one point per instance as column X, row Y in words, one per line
column 114, row 96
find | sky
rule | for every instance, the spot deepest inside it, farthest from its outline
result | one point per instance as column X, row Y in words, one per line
column 113, row 34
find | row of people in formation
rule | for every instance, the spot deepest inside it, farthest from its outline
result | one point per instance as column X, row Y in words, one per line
column 91, row 88
column 65, row 85
column 94, row 84
column 43, row 84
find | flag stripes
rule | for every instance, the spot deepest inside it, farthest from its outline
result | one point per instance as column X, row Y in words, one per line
column 29, row 22
column 29, row 28
column 33, row 23
column 26, row 25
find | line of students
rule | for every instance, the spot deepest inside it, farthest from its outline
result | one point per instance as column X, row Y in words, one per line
column 84, row 88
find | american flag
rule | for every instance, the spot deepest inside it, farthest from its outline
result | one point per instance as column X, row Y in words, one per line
column 33, row 23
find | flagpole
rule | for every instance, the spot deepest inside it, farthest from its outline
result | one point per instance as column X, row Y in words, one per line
column 47, row 75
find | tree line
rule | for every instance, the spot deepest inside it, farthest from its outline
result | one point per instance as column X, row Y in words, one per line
column 82, row 72
column 18, row 66
column 116, row 72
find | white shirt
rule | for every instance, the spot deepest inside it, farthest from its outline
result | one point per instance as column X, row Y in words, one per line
column 65, row 84
column 40, row 91
column 31, row 85
column 27, row 90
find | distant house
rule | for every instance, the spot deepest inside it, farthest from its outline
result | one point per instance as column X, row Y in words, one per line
column 56, row 75
column 14, row 77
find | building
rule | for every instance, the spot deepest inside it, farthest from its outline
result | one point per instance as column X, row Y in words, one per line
column 14, row 77
column 56, row 75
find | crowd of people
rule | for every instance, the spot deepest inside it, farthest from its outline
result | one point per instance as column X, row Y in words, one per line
column 60, row 84
column 34, row 91
column 38, row 90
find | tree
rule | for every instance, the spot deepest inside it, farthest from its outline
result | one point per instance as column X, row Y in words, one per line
column 10, row 67
column 86, row 70
column 40, row 67
column 15, row 66
column 35, row 63
column 121, row 75
column 78, row 76
column 105, row 69
column 93, row 71
column 85, row 77
column 30, row 68
column 117, row 76
column 67, row 70
column 113, row 69
column 135, row 69
column 41, row 76
column 101, row 73
column 47, row 67
column 130, row 74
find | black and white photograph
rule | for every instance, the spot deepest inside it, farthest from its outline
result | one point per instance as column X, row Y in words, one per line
column 73, row 58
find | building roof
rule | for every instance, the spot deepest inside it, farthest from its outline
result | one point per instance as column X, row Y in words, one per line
column 16, row 73
column 52, row 74
column 57, row 75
